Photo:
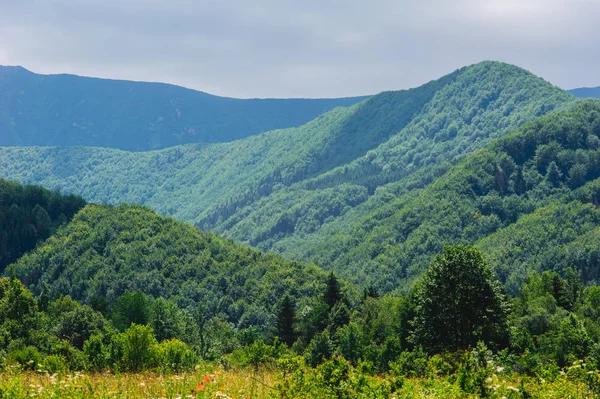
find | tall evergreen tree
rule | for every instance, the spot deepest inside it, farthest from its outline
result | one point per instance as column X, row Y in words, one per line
column 286, row 319
column 333, row 292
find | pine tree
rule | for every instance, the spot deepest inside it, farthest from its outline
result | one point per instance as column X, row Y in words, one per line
column 333, row 292
column 286, row 319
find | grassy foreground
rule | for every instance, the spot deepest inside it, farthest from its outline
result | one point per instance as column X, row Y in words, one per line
column 206, row 382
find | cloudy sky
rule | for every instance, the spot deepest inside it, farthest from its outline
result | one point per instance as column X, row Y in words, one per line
column 300, row 48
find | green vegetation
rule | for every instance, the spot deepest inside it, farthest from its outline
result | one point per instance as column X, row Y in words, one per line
column 141, row 268
column 67, row 110
column 544, row 341
column 547, row 163
column 29, row 215
column 289, row 190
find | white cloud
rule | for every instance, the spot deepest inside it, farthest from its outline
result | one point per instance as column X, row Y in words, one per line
column 283, row 48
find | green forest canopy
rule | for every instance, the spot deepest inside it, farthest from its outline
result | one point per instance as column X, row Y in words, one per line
column 287, row 191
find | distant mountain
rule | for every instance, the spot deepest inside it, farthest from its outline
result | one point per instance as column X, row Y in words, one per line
column 68, row 110
column 586, row 92
column 318, row 191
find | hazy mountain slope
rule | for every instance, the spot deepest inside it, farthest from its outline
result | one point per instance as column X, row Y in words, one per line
column 204, row 181
column 290, row 190
column 481, row 103
column 29, row 215
column 533, row 167
column 586, row 92
column 68, row 110
column 107, row 251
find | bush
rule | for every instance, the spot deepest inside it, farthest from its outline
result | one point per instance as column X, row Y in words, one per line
column 137, row 344
column 410, row 364
column 174, row 355
column 28, row 357
column 96, row 353
column 54, row 364
column 319, row 349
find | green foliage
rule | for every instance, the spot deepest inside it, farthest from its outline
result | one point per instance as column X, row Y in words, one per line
column 138, row 346
column 131, row 307
column 130, row 255
column 320, row 349
column 68, row 110
column 54, row 364
column 28, row 357
column 29, row 215
column 459, row 303
column 174, row 356
column 321, row 192
column 286, row 320
column 167, row 320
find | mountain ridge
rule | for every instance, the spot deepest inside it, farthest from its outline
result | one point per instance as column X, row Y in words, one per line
column 70, row 110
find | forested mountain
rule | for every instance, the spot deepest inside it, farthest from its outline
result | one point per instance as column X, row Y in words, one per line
column 106, row 252
column 586, row 92
column 68, row 110
column 529, row 199
column 29, row 215
column 289, row 190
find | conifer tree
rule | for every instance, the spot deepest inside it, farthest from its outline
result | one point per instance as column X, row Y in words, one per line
column 286, row 319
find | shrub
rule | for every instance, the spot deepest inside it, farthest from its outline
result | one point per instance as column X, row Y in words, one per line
column 319, row 349
column 137, row 343
column 96, row 352
column 174, row 355
column 54, row 364
column 28, row 357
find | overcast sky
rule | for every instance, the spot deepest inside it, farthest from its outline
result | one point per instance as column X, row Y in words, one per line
column 300, row 48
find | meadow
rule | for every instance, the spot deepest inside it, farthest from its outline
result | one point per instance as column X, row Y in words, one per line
column 333, row 379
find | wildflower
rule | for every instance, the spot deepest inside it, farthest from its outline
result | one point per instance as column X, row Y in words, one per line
column 206, row 378
column 200, row 387
column 499, row 369
column 142, row 384
column 512, row 388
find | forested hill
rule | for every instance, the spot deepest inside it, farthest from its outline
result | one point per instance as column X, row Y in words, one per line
column 68, row 110
column 530, row 200
column 586, row 92
column 289, row 190
column 106, row 252
column 29, row 215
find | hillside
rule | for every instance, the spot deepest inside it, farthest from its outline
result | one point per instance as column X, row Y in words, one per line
column 68, row 110
column 106, row 252
column 29, row 215
column 289, row 190
column 515, row 198
column 586, row 92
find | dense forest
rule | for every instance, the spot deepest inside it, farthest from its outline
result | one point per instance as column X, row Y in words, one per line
column 29, row 215
column 106, row 252
column 68, row 110
column 445, row 242
column 288, row 190
column 548, row 166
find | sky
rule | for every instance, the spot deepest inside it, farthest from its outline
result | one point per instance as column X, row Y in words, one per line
column 300, row 48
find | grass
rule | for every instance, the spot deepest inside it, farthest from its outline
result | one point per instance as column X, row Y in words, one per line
column 207, row 382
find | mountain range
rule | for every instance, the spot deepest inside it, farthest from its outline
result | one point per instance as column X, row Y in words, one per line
column 69, row 110
column 371, row 190
column 586, row 92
